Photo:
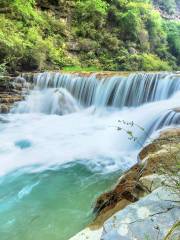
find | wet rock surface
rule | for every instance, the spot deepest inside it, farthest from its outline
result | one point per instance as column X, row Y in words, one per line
column 143, row 205
column 12, row 90
column 142, row 178
column 150, row 218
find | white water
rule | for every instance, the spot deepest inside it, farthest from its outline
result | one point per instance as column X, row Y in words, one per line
column 84, row 133
column 116, row 91
column 66, row 120
column 88, row 134
column 50, row 101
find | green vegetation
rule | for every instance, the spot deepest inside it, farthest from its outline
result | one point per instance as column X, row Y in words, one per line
column 2, row 69
column 81, row 69
column 121, row 35
column 171, row 232
column 173, row 38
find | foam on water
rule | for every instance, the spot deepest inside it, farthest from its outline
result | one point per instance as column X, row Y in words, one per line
column 49, row 101
column 117, row 91
column 86, row 134
column 59, row 146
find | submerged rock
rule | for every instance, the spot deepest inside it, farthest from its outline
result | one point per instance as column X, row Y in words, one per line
column 64, row 103
column 23, row 144
column 3, row 120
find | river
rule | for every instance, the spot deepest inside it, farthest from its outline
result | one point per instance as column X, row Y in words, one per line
column 60, row 147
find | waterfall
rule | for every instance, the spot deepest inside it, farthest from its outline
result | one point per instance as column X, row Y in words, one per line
column 167, row 118
column 59, row 93
column 49, row 101
column 117, row 91
column 66, row 145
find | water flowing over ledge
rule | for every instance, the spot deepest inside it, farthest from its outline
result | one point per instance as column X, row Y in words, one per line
column 60, row 146
column 117, row 91
column 60, row 93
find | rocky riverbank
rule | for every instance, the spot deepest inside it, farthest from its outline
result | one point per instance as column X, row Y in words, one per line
column 142, row 178
column 145, row 203
column 12, row 90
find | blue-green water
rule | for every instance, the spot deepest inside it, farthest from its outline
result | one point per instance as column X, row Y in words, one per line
column 53, row 204
column 53, row 167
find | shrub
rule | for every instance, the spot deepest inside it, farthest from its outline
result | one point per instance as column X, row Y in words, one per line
column 173, row 33
column 150, row 62
column 145, row 62
column 2, row 69
column 112, row 34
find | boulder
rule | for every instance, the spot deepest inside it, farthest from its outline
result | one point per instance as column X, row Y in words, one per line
column 20, row 80
column 132, row 50
column 11, row 91
column 153, row 217
column 150, row 218
column 142, row 178
column 88, row 234
column 4, row 108
column 170, row 132
column 3, row 120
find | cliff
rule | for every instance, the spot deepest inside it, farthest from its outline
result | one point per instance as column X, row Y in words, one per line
column 97, row 34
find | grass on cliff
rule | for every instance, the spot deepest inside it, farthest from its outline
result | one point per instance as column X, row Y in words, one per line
column 81, row 69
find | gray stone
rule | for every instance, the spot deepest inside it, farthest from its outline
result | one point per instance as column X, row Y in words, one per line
column 149, row 218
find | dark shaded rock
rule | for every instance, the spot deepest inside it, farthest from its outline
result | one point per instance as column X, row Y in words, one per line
column 11, row 91
column 3, row 120
column 4, row 108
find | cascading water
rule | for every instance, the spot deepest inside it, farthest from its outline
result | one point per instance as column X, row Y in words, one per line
column 116, row 91
column 64, row 150
column 50, row 101
column 168, row 118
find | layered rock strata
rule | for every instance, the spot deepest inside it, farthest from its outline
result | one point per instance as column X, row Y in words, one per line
column 12, row 90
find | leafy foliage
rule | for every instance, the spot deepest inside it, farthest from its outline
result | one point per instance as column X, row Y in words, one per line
column 105, row 34
column 2, row 69
column 173, row 33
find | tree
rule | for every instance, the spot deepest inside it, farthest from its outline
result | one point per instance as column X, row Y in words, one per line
column 173, row 33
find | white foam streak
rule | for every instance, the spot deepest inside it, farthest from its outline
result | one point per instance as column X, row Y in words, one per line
column 49, row 101
column 43, row 138
column 89, row 134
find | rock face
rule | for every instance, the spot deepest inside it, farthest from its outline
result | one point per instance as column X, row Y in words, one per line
column 11, row 90
column 144, row 205
column 149, row 218
column 61, row 8
column 155, row 216
column 135, row 184
column 169, row 9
